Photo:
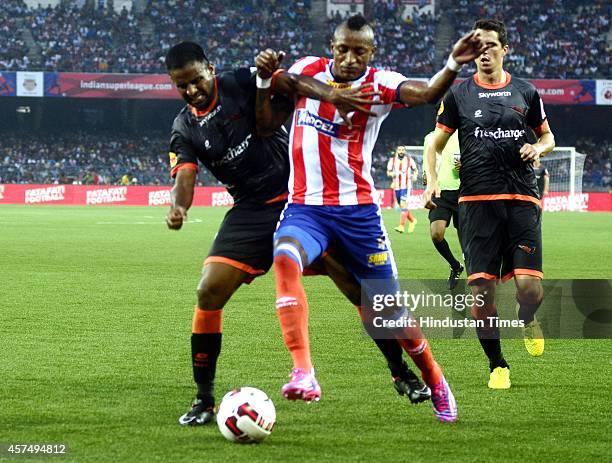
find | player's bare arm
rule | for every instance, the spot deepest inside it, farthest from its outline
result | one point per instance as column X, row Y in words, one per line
column 182, row 197
column 345, row 100
column 436, row 145
column 268, row 118
column 545, row 144
column 467, row 49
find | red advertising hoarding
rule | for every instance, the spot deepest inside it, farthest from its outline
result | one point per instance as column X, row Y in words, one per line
column 93, row 85
column 159, row 86
column 219, row 197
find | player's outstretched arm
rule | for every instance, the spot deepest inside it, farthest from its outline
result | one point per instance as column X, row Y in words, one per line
column 546, row 183
column 346, row 100
column 467, row 49
column 435, row 145
column 182, row 197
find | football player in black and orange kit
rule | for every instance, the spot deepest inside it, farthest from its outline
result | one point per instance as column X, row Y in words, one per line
column 217, row 129
column 499, row 203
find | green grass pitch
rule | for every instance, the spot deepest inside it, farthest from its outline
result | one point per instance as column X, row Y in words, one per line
column 95, row 318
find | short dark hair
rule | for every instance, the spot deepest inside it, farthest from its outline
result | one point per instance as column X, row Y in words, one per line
column 182, row 54
column 355, row 23
column 493, row 25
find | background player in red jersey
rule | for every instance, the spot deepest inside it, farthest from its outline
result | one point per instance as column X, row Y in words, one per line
column 499, row 205
column 332, row 198
column 403, row 170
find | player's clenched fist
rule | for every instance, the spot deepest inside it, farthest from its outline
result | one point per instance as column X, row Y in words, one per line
column 529, row 153
column 469, row 47
column 175, row 217
column 431, row 192
column 267, row 62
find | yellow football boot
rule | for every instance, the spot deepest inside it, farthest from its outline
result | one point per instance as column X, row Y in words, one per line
column 499, row 378
column 534, row 338
column 411, row 225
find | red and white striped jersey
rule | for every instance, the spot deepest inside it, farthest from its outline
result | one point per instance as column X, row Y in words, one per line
column 331, row 165
column 402, row 171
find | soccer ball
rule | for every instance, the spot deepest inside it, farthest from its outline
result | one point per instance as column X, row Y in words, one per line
column 246, row 415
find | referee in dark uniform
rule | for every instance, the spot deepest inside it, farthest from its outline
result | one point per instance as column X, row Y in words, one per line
column 217, row 129
column 499, row 202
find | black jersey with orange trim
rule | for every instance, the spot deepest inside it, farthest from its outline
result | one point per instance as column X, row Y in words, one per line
column 223, row 138
column 494, row 121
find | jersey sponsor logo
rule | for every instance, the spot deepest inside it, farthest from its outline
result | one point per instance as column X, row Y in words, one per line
column 159, row 198
column 326, row 127
column 209, row 116
column 107, row 195
column 335, row 84
column 378, row 258
column 527, row 249
column 478, row 113
column 44, row 195
column 498, row 133
column 494, row 94
column 233, row 153
column 173, row 159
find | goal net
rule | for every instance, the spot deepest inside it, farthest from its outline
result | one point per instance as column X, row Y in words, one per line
column 565, row 168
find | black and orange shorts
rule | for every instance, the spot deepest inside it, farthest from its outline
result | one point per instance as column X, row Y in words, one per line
column 244, row 239
column 501, row 238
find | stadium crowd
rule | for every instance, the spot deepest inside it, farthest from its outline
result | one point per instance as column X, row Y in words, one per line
column 14, row 52
column 552, row 38
column 403, row 45
column 110, row 158
column 560, row 39
column 82, row 158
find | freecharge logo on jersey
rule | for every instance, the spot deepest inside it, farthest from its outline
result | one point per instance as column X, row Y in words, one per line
column 498, row 133
column 326, row 127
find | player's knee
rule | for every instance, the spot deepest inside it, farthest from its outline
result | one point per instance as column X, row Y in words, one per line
column 529, row 292
column 437, row 236
column 484, row 301
column 288, row 248
column 212, row 294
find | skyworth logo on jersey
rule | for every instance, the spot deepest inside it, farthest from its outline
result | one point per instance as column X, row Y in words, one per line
column 493, row 94
column 498, row 133
column 327, row 127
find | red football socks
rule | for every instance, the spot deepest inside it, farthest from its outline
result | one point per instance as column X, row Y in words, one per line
column 292, row 310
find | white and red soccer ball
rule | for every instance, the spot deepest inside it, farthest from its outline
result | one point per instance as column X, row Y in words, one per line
column 246, row 415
